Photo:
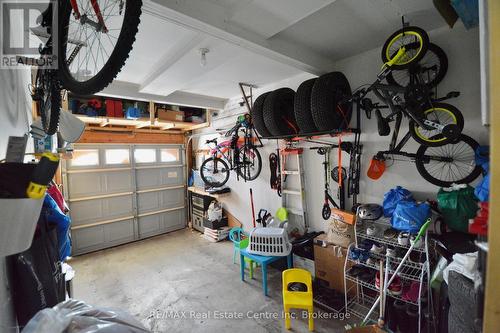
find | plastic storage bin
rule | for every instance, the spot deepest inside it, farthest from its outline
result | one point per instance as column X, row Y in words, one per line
column 269, row 242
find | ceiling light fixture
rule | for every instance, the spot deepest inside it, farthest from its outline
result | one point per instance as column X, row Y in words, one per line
column 203, row 60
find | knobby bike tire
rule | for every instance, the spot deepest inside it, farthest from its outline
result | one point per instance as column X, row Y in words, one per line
column 241, row 171
column 50, row 122
column 438, row 140
column 420, row 160
column 116, row 60
column 425, row 44
column 206, row 179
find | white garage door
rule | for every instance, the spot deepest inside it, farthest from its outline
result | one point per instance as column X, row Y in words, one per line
column 121, row 193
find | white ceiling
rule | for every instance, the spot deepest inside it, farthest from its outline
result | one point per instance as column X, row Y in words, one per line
column 254, row 41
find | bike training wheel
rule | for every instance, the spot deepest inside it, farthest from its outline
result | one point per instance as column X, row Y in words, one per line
column 214, row 172
column 251, row 162
column 89, row 59
column 302, row 107
column 444, row 114
column 458, row 167
column 258, row 115
column 432, row 68
column 278, row 112
column 406, row 37
column 50, row 103
column 327, row 109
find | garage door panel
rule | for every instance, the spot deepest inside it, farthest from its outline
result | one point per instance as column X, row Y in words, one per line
column 149, row 201
column 150, row 225
column 89, row 211
column 102, row 236
column 118, row 181
column 174, row 220
column 172, row 198
column 85, row 185
column 119, row 232
column 156, row 177
column 87, row 238
column 158, row 200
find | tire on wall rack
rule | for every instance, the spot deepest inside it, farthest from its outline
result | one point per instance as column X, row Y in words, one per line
column 302, row 107
column 327, row 93
column 258, row 115
column 278, row 112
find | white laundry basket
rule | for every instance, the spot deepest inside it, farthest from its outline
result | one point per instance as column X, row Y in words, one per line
column 269, row 242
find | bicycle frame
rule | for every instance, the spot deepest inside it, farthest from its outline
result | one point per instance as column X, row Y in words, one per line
column 85, row 20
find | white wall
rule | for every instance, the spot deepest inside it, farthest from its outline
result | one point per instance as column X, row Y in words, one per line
column 462, row 48
column 15, row 117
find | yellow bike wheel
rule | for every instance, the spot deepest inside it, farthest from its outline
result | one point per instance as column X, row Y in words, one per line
column 443, row 114
column 414, row 36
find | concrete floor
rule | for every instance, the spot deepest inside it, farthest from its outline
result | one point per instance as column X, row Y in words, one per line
column 183, row 272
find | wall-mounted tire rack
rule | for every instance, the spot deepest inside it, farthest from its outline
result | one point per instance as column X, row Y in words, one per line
column 113, row 204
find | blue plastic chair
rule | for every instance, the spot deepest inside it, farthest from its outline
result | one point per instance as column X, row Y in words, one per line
column 240, row 241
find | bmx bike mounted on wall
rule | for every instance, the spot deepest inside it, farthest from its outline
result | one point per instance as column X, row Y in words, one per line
column 238, row 153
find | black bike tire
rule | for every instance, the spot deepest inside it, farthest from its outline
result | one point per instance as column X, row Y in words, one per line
column 257, row 114
column 278, row 112
column 214, row 184
column 419, row 162
column 327, row 93
column 115, row 62
column 425, row 45
column 259, row 159
column 460, row 123
column 443, row 68
column 302, row 107
column 50, row 124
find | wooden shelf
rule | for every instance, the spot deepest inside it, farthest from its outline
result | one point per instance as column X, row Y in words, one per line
column 141, row 123
column 202, row 192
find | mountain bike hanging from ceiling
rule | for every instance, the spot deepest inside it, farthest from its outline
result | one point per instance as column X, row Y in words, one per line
column 413, row 67
column 239, row 154
column 95, row 38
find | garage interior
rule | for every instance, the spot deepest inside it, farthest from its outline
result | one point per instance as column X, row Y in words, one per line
column 244, row 170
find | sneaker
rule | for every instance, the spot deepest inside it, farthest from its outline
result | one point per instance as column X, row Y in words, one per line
column 417, row 244
column 377, row 248
column 403, row 238
column 372, row 262
column 366, row 244
column 417, row 257
column 390, row 233
column 363, row 255
column 371, row 230
column 411, row 293
column 356, row 270
column 391, row 252
column 395, row 288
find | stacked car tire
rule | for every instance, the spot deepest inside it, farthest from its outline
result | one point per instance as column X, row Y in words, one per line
column 319, row 105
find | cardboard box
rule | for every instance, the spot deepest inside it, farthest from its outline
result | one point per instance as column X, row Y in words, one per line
column 329, row 261
column 341, row 228
column 169, row 115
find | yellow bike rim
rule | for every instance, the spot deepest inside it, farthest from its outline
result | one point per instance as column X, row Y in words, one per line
column 405, row 59
column 442, row 138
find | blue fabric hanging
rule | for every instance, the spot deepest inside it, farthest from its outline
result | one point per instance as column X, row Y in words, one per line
column 54, row 215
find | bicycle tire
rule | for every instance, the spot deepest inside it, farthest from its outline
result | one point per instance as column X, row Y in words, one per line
column 278, row 112
column 50, row 122
column 420, row 162
column 205, row 177
column 116, row 60
column 257, row 114
column 439, row 139
column 302, row 107
column 403, row 78
column 259, row 162
column 411, row 30
column 328, row 91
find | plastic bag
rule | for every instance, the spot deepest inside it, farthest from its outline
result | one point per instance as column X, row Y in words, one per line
column 393, row 197
column 409, row 216
column 73, row 316
column 458, row 204
column 482, row 190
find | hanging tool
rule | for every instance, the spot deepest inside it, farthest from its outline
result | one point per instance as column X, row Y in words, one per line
column 274, row 166
column 253, row 209
column 263, row 217
column 326, row 212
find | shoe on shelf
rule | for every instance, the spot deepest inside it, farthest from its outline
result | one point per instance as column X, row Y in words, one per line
column 377, row 248
column 367, row 275
column 371, row 230
column 390, row 233
column 395, row 288
column 366, row 244
column 417, row 257
column 418, row 244
column 412, row 292
column 403, row 238
column 372, row 262
column 363, row 255
column 391, row 251
column 356, row 270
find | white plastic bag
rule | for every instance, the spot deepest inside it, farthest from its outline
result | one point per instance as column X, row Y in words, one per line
column 73, row 316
